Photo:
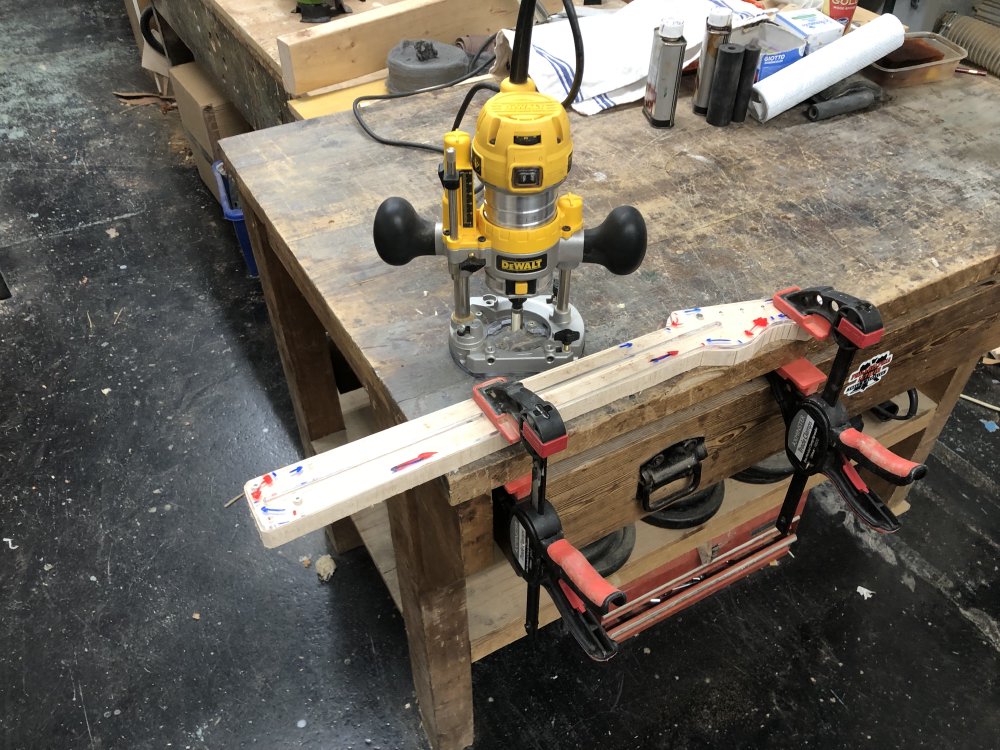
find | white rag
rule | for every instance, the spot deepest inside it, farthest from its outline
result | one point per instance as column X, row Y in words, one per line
column 616, row 46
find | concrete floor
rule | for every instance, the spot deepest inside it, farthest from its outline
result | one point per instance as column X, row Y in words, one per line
column 141, row 387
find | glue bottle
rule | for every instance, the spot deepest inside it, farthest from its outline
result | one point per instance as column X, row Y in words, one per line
column 666, row 63
column 719, row 24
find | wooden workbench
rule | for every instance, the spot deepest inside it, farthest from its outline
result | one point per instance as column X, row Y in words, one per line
column 260, row 55
column 899, row 206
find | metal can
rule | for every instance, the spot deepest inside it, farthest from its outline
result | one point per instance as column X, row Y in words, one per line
column 666, row 62
column 718, row 26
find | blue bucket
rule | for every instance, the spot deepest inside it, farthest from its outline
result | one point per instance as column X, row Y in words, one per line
column 235, row 215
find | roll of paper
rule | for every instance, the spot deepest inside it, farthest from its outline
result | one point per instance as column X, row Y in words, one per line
column 834, row 62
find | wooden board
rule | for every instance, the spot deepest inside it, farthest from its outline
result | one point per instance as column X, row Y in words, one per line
column 355, row 46
column 238, row 42
column 243, row 69
column 337, row 98
column 291, row 501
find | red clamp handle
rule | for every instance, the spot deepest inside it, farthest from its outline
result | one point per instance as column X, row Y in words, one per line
column 872, row 454
column 587, row 581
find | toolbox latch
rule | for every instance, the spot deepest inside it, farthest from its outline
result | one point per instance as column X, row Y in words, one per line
column 671, row 475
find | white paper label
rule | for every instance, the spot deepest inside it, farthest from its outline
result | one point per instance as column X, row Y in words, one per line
column 804, row 428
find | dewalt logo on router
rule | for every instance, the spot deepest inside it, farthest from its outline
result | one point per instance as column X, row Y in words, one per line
column 521, row 266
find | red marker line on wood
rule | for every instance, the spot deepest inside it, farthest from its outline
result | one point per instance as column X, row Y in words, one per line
column 412, row 461
column 664, row 356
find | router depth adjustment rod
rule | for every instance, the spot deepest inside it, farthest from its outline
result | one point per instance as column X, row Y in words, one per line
column 525, row 237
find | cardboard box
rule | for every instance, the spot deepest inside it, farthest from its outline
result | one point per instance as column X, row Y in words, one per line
column 817, row 29
column 159, row 68
column 779, row 47
column 205, row 113
column 204, row 164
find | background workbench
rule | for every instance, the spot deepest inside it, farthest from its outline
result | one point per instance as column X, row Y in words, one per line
column 898, row 206
column 260, row 55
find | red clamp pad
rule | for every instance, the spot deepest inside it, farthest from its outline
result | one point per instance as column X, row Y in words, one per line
column 815, row 325
column 505, row 423
column 878, row 454
column 856, row 337
column 519, row 488
column 590, row 583
column 545, row 449
column 804, row 375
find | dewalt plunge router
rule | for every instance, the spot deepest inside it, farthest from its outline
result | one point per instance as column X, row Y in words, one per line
column 525, row 237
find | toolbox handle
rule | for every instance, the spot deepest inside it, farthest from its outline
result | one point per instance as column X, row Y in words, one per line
column 680, row 461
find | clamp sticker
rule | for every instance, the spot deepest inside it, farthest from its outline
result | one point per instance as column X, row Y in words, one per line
column 869, row 372
column 519, row 545
column 801, row 439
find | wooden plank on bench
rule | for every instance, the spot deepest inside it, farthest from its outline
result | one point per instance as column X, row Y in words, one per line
column 305, row 496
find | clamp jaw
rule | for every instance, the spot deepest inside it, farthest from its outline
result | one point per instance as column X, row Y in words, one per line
column 528, row 529
column 820, row 438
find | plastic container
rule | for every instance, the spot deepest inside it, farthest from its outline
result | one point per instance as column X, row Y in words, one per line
column 927, row 72
column 235, row 215
column 841, row 11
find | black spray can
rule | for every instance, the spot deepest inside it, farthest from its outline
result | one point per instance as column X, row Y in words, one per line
column 720, row 23
column 666, row 62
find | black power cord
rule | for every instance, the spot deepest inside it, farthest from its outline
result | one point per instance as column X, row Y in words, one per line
column 356, row 107
column 574, row 25
column 522, row 47
column 518, row 74
column 481, row 86
column 885, row 413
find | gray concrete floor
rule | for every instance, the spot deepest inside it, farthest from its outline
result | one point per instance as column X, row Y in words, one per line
column 140, row 388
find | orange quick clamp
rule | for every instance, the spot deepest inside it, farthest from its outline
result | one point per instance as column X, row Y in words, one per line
column 819, row 436
column 528, row 529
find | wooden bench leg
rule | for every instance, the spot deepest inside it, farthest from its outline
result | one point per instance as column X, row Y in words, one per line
column 427, row 542
column 305, row 358
column 945, row 390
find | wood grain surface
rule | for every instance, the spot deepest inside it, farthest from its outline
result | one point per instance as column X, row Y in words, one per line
column 899, row 205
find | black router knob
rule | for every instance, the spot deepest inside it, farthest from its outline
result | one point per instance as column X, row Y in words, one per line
column 401, row 234
column 566, row 336
column 618, row 243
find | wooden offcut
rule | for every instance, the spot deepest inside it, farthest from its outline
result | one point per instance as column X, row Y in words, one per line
column 359, row 44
